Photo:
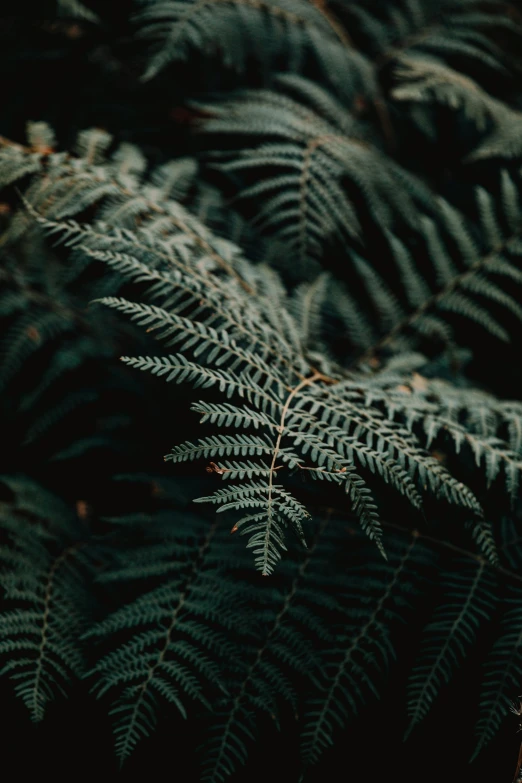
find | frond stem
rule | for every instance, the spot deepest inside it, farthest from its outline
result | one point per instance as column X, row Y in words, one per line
column 296, row 390
column 49, row 586
column 360, row 636
column 289, row 597
column 169, row 631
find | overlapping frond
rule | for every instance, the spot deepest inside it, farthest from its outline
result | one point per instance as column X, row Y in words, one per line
column 237, row 31
column 312, row 147
column 167, row 643
column 363, row 650
column 327, row 426
column 473, row 277
column 54, row 351
column 324, row 326
column 446, row 31
column 278, row 655
column 422, row 80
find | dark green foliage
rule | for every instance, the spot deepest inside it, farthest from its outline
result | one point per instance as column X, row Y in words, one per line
column 469, row 601
column 174, row 652
column 47, row 565
column 323, row 236
column 241, row 29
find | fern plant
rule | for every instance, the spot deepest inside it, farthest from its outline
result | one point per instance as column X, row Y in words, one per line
column 323, row 299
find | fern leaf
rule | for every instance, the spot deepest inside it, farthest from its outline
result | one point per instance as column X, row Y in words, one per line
column 348, row 675
column 170, row 652
column 242, row 27
column 502, row 676
column 44, row 581
column 468, row 602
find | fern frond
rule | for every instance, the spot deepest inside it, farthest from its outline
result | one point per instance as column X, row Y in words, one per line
column 468, row 602
column 325, row 272
column 196, row 336
column 422, row 79
column 304, row 203
column 306, row 420
column 468, row 287
column 171, row 653
column 348, row 676
column 236, row 30
column 502, row 675
column 45, row 574
column 259, row 685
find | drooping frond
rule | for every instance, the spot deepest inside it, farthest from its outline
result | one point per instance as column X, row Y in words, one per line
column 324, row 425
column 277, row 653
column 465, row 419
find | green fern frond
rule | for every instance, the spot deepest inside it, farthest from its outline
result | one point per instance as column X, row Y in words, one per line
column 334, row 416
column 468, row 602
column 330, row 260
column 422, row 80
column 52, row 349
column 246, row 348
column 469, row 288
column 46, row 570
column 304, row 203
column 502, row 675
column 258, row 685
column 177, row 628
column 236, row 30
column 440, row 29
column 363, row 638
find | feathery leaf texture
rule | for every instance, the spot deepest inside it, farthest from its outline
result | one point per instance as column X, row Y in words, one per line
column 234, row 30
column 171, row 654
column 329, row 425
column 46, row 572
column 468, row 601
column 339, row 235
